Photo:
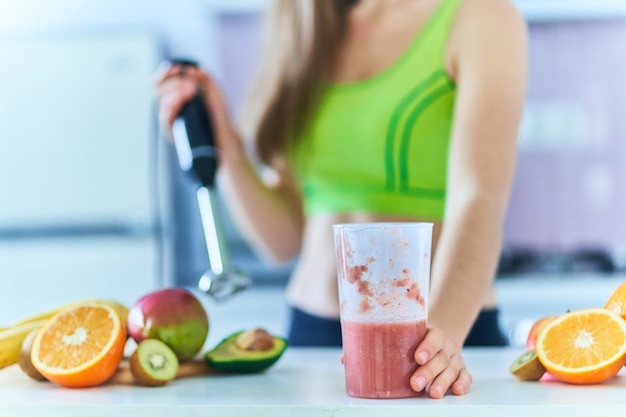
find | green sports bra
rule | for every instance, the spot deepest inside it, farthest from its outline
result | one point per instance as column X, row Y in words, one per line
column 380, row 145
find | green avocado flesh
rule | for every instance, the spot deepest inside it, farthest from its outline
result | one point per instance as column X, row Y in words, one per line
column 227, row 357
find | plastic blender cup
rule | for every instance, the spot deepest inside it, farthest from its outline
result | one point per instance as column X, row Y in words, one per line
column 383, row 272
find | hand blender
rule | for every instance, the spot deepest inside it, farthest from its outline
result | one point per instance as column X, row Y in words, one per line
column 198, row 158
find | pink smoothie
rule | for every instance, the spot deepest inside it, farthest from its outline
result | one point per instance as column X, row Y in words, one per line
column 379, row 357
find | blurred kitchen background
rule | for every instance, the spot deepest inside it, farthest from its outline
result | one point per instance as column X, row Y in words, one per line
column 92, row 203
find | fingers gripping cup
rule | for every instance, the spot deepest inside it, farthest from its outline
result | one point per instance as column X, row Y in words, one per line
column 383, row 272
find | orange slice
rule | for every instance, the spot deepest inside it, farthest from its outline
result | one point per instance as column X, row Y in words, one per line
column 584, row 346
column 80, row 346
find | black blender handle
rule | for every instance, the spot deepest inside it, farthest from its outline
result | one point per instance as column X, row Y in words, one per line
column 194, row 138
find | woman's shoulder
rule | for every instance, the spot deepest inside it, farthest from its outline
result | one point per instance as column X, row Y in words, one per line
column 491, row 8
column 485, row 30
column 491, row 15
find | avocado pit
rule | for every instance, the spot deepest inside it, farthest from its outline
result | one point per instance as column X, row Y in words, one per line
column 255, row 339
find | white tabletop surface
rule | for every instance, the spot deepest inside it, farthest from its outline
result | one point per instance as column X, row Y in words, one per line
column 309, row 382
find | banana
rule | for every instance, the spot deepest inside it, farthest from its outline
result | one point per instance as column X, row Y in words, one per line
column 37, row 317
column 11, row 341
column 121, row 309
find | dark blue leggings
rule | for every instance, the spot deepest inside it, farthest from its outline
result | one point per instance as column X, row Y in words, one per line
column 309, row 330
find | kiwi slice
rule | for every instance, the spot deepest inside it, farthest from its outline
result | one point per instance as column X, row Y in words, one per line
column 527, row 367
column 24, row 360
column 153, row 363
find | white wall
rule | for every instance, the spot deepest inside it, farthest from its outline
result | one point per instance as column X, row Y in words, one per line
column 186, row 26
column 41, row 273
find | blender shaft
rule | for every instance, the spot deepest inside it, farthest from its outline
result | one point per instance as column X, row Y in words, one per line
column 213, row 234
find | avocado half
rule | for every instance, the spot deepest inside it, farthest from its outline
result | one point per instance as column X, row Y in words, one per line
column 227, row 357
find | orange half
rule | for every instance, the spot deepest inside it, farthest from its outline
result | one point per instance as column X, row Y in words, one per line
column 80, row 346
column 584, row 346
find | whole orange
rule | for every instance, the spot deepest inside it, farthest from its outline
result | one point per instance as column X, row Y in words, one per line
column 617, row 301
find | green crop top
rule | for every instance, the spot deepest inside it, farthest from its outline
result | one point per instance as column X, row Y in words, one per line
column 380, row 145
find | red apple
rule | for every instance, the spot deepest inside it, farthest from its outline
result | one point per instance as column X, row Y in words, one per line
column 536, row 329
column 172, row 315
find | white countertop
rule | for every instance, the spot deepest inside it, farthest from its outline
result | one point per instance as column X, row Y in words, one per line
column 309, row 382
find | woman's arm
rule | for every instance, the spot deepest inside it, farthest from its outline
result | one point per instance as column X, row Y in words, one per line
column 266, row 212
column 490, row 69
column 489, row 62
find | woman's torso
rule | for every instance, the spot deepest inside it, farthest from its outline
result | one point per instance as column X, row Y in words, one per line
column 409, row 122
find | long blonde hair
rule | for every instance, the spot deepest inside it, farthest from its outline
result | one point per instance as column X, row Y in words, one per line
column 302, row 38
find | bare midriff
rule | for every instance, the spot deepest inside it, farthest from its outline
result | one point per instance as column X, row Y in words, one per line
column 313, row 285
column 379, row 357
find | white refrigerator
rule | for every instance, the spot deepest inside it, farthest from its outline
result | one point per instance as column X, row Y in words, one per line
column 80, row 213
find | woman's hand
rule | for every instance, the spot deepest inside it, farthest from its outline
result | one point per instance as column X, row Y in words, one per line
column 441, row 366
column 268, row 215
column 177, row 84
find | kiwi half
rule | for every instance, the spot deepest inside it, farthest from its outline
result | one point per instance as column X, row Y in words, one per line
column 153, row 363
column 24, row 361
column 527, row 367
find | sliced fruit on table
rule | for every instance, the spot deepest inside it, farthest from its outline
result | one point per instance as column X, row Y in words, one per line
column 585, row 346
column 252, row 350
column 527, row 367
column 153, row 363
column 24, row 361
column 81, row 346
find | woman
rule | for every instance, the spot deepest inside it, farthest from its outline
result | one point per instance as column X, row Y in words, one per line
column 377, row 110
